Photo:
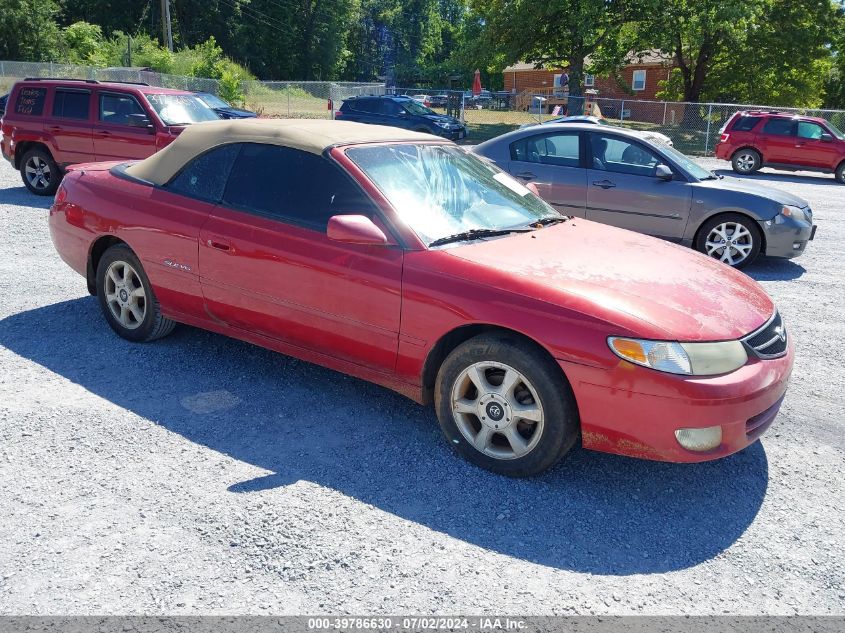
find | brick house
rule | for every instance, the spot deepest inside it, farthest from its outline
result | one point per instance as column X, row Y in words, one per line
column 640, row 79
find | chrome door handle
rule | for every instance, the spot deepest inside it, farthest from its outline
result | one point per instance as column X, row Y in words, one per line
column 604, row 184
column 526, row 175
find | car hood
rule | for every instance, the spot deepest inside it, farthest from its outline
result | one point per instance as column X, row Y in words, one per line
column 236, row 113
column 746, row 186
column 443, row 118
column 651, row 288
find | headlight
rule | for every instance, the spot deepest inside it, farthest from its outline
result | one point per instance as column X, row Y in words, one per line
column 443, row 124
column 795, row 213
column 691, row 359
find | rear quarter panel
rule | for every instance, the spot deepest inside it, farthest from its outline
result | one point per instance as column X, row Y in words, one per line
column 162, row 230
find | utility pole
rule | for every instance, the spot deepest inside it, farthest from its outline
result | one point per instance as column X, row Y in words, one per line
column 165, row 21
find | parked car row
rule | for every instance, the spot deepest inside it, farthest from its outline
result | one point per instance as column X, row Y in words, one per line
column 50, row 124
column 615, row 176
column 464, row 278
column 403, row 259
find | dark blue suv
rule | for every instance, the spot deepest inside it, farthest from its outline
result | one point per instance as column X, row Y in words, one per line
column 401, row 112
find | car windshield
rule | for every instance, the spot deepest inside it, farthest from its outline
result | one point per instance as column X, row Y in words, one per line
column 180, row 109
column 441, row 190
column 212, row 101
column 689, row 165
column 836, row 131
column 415, row 107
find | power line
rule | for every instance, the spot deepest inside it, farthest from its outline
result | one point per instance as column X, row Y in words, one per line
column 258, row 16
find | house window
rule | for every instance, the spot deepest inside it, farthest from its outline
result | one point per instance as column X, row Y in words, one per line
column 589, row 81
column 638, row 82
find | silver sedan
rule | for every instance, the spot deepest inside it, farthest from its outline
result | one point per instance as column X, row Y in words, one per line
column 649, row 135
column 614, row 176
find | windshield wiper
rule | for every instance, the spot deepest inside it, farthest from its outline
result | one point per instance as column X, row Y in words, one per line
column 555, row 219
column 474, row 234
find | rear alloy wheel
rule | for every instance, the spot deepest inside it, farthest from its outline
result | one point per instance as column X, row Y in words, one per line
column 732, row 239
column 126, row 297
column 506, row 406
column 746, row 161
column 40, row 173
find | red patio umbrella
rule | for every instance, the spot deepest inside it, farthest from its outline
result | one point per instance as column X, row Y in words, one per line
column 476, row 83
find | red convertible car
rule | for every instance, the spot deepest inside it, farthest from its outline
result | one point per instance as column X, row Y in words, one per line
column 400, row 258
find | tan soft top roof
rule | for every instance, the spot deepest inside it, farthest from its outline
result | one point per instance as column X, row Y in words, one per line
column 310, row 135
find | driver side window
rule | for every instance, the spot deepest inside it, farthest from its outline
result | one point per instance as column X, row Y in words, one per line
column 391, row 108
column 622, row 156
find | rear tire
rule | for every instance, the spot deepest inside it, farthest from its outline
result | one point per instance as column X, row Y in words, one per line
column 733, row 239
column 127, row 299
column 746, row 161
column 506, row 406
column 39, row 172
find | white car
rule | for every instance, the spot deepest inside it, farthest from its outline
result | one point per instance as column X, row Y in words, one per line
column 655, row 137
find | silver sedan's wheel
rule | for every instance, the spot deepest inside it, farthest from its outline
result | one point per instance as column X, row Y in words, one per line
column 38, row 172
column 497, row 410
column 729, row 242
column 125, row 295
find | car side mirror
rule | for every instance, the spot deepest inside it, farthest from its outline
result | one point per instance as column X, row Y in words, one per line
column 827, row 138
column 140, row 121
column 355, row 229
column 663, row 172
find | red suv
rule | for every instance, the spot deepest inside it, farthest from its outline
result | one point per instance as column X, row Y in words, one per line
column 755, row 139
column 52, row 123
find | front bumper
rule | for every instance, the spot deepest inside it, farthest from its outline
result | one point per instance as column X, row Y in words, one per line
column 789, row 239
column 453, row 135
column 635, row 411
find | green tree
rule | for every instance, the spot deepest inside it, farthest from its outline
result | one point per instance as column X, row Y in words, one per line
column 28, row 30
column 772, row 52
column 82, row 43
column 559, row 32
column 835, row 84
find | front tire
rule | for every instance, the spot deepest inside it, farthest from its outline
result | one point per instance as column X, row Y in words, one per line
column 505, row 406
column 39, row 172
column 746, row 161
column 127, row 299
column 733, row 239
column 840, row 173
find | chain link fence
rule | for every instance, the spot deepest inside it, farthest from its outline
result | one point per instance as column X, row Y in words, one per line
column 693, row 127
column 280, row 99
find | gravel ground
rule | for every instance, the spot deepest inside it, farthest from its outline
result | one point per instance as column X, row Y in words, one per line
column 200, row 475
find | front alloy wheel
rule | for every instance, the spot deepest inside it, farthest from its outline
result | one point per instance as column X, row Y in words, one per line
column 497, row 410
column 505, row 405
column 731, row 238
column 730, row 243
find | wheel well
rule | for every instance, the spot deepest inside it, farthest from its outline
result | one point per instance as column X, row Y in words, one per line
column 751, row 147
column 716, row 215
column 449, row 341
column 100, row 246
column 23, row 147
